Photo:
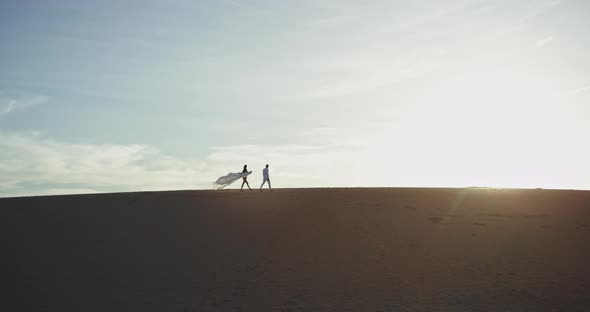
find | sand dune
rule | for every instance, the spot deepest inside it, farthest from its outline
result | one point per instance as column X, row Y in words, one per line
column 298, row 250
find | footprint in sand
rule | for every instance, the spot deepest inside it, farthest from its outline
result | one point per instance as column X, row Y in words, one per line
column 497, row 215
column 479, row 224
column 293, row 303
column 540, row 215
column 132, row 201
column 435, row 219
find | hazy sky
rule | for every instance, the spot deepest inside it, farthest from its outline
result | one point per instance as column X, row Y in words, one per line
column 153, row 95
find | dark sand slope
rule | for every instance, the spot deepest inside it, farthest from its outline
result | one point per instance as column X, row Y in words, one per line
column 298, row 250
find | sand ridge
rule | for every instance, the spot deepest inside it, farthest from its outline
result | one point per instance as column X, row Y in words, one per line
column 334, row 249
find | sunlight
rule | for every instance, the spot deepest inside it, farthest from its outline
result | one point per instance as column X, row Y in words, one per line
column 493, row 129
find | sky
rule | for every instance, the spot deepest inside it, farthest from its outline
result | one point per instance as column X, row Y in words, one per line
column 114, row 96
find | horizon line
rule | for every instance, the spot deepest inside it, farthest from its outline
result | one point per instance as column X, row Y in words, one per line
column 307, row 188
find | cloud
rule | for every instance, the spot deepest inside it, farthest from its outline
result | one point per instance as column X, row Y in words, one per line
column 295, row 165
column 582, row 89
column 357, row 74
column 551, row 3
column 545, row 41
column 537, row 10
column 31, row 164
column 11, row 103
column 410, row 154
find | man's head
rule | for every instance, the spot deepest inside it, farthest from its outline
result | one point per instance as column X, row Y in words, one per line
column 266, row 165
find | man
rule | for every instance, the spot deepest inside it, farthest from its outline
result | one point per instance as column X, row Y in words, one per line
column 266, row 178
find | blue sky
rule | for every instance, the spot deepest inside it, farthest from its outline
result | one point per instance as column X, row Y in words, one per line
column 152, row 95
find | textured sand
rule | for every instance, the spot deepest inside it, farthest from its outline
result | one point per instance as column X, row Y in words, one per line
column 298, row 250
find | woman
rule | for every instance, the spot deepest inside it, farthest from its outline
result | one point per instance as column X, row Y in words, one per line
column 245, row 179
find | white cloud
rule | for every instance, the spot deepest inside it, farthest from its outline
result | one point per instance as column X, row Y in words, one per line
column 31, row 164
column 545, row 41
column 426, row 153
column 355, row 74
column 11, row 103
column 582, row 89
column 552, row 3
column 532, row 11
column 311, row 164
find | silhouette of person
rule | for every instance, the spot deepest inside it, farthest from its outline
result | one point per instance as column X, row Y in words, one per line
column 265, row 178
column 245, row 179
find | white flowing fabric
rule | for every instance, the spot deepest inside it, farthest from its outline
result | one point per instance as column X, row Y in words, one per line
column 229, row 179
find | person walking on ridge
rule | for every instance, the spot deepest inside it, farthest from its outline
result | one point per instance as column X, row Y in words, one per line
column 245, row 179
column 265, row 178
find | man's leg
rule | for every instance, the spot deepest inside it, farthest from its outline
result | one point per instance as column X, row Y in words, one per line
column 270, row 188
column 261, row 185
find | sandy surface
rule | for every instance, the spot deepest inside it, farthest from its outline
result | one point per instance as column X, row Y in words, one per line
column 298, row 250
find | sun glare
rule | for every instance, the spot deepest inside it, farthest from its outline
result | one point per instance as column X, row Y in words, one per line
column 493, row 129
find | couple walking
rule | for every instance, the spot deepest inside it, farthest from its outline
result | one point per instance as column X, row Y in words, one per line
column 264, row 176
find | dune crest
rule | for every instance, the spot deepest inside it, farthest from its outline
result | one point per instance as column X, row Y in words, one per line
column 373, row 249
